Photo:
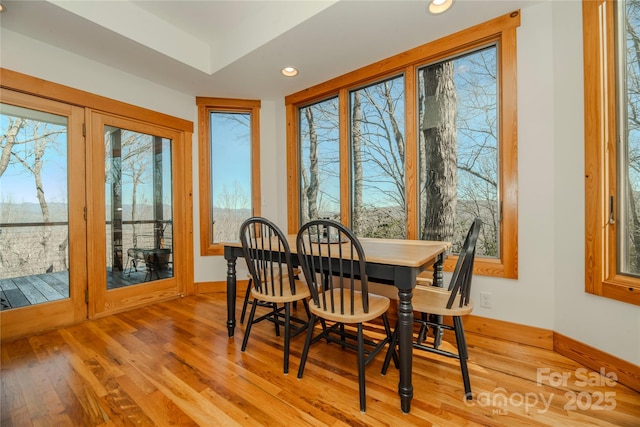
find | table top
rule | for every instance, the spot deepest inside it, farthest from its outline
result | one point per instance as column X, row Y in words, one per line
column 401, row 252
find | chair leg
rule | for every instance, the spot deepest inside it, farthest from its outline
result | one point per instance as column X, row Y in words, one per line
column 387, row 328
column 246, row 301
column 361, row 379
column 391, row 351
column 307, row 343
column 306, row 308
column 275, row 319
column 287, row 335
column 252, row 314
column 424, row 328
column 463, row 354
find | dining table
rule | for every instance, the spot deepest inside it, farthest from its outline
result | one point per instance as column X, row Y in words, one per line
column 394, row 262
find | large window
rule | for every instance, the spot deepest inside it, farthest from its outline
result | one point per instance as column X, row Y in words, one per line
column 420, row 144
column 612, row 148
column 458, row 149
column 319, row 161
column 378, row 202
column 229, row 168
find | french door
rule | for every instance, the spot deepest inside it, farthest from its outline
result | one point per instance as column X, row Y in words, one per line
column 94, row 213
column 137, row 206
column 43, row 262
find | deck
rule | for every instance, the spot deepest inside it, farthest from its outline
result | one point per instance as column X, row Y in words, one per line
column 36, row 289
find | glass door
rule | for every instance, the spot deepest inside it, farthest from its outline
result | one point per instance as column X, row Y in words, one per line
column 132, row 214
column 42, row 228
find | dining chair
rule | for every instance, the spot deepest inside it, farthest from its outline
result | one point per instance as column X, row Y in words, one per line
column 274, row 285
column 333, row 263
column 453, row 301
column 247, row 294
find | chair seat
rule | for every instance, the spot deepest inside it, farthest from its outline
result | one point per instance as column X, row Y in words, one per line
column 301, row 292
column 433, row 300
column 378, row 305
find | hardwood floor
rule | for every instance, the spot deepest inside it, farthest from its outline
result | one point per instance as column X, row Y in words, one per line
column 172, row 364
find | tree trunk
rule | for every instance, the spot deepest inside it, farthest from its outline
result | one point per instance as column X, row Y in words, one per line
column 439, row 131
column 9, row 142
column 356, row 132
column 312, row 189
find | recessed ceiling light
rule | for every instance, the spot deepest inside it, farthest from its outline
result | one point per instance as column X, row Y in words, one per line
column 439, row 6
column 1, row 7
column 289, row 71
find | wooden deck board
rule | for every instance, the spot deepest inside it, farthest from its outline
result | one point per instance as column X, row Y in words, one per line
column 16, row 298
column 40, row 288
column 48, row 291
column 6, row 284
column 58, row 280
column 30, row 291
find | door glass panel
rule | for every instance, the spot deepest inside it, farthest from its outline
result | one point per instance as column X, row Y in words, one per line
column 139, row 207
column 34, row 227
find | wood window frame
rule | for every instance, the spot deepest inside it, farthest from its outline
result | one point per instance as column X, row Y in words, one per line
column 502, row 31
column 205, row 106
column 600, row 116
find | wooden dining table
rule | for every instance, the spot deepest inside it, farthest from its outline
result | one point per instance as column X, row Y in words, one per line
column 395, row 262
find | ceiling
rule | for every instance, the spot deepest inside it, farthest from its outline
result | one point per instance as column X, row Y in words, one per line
column 236, row 48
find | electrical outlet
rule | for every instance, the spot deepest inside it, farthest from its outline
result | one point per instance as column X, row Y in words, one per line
column 485, row 299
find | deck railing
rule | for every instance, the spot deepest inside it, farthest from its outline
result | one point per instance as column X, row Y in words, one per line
column 31, row 248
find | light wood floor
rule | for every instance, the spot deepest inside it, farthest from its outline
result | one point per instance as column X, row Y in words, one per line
column 173, row 364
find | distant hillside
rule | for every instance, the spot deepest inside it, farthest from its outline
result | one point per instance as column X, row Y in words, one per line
column 30, row 212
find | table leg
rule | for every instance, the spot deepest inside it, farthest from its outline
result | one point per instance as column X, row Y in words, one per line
column 405, row 338
column 438, row 277
column 231, row 295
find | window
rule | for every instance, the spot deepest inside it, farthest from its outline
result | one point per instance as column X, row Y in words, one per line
column 458, row 149
column 612, row 144
column 378, row 202
column 421, row 139
column 229, row 150
column 319, row 157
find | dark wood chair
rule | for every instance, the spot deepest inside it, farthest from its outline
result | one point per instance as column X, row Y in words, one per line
column 247, row 294
column 454, row 301
column 333, row 263
column 274, row 285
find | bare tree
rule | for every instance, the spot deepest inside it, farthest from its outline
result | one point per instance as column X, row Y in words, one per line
column 439, row 131
column 632, row 172
column 24, row 146
column 356, row 143
column 9, row 140
column 319, row 165
column 230, row 212
column 135, row 165
column 379, row 148
column 311, row 190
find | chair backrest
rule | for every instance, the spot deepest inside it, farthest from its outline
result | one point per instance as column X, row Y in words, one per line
column 268, row 256
column 461, row 278
column 332, row 259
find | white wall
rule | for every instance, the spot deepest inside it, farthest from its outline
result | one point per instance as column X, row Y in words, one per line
column 28, row 56
column 609, row 325
column 549, row 292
